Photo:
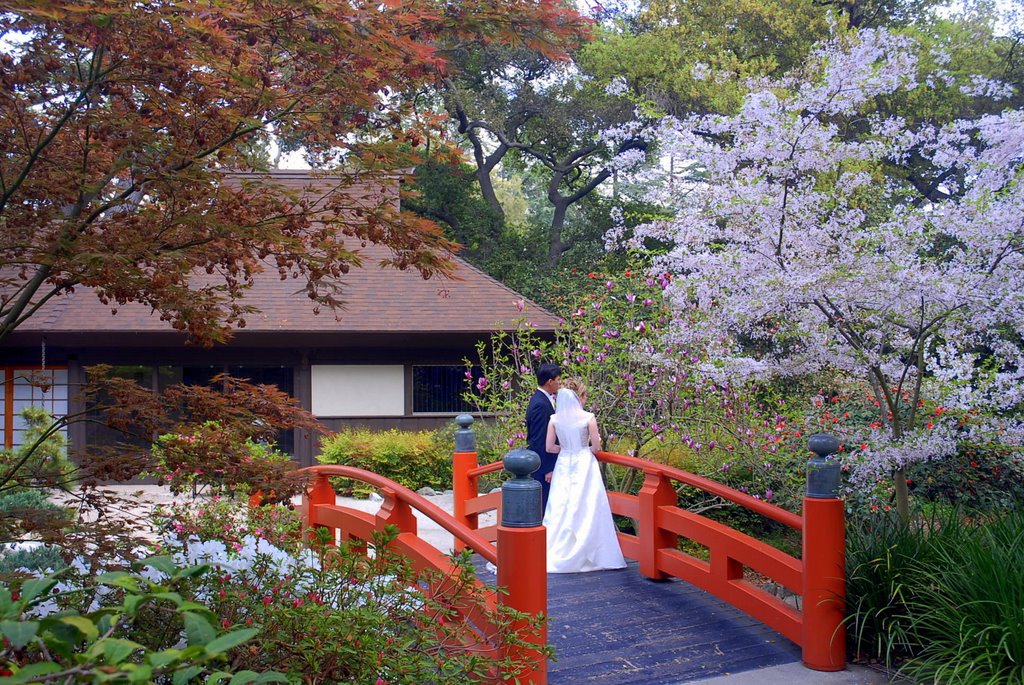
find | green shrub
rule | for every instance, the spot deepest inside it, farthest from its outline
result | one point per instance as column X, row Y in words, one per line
column 42, row 459
column 23, row 511
column 413, row 459
column 985, row 477
column 19, row 503
column 40, row 558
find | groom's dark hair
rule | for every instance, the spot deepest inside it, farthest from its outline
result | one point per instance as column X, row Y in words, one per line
column 546, row 372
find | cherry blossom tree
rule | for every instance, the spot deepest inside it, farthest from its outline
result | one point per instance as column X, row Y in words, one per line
column 802, row 251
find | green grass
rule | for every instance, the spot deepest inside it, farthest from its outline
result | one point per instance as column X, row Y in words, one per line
column 943, row 599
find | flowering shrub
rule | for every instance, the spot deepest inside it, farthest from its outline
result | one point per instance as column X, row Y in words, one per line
column 651, row 399
column 276, row 612
column 337, row 613
column 229, row 521
column 610, row 340
column 985, row 477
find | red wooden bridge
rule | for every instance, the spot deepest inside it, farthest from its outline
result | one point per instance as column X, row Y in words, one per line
column 671, row 615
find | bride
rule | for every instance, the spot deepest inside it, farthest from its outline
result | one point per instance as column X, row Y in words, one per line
column 581, row 533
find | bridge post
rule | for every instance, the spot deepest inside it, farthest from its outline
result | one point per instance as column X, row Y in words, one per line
column 318, row 491
column 522, row 558
column 464, row 460
column 656, row 491
column 824, row 560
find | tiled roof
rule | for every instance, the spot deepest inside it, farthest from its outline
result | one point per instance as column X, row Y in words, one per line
column 376, row 300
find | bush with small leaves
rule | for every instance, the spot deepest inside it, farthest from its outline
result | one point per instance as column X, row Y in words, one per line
column 413, row 459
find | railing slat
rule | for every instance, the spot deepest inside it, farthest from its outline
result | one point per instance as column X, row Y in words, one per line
column 746, row 550
column 707, row 485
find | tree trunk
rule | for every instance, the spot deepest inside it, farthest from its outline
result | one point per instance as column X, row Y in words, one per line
column 902, row 496
column 483, row 177
column 484, row 165
column 555, row 245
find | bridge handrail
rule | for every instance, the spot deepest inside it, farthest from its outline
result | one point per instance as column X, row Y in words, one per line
column 817, row 575
column 766, row 509
column 467, row 536
column 493, row 467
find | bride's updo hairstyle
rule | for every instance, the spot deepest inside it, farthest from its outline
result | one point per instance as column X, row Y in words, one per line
column 576, row 385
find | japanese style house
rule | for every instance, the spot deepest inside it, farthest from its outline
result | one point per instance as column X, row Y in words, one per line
column 393, row 357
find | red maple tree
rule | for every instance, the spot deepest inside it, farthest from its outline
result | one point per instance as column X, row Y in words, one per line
column 120, row 123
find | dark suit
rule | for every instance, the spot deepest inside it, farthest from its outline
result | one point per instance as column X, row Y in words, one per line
column 537, row 414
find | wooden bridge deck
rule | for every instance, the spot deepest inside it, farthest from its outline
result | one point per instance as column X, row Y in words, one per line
column 618, row 628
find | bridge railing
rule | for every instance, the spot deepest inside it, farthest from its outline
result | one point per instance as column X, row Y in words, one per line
column 818, row 576
column 525, row 589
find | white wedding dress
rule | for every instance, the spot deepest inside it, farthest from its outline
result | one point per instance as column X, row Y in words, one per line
column 580, row 531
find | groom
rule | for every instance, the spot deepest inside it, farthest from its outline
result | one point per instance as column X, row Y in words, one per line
column 540, row 409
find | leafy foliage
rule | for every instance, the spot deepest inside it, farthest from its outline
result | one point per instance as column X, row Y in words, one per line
column 48, row 640
column 223, row 429
column 413, row 459
column 939, row 599
column 663, row 52
column 123, row 126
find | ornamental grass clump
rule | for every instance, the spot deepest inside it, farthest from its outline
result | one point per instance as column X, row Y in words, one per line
column 939, row 600
column 969, row 611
